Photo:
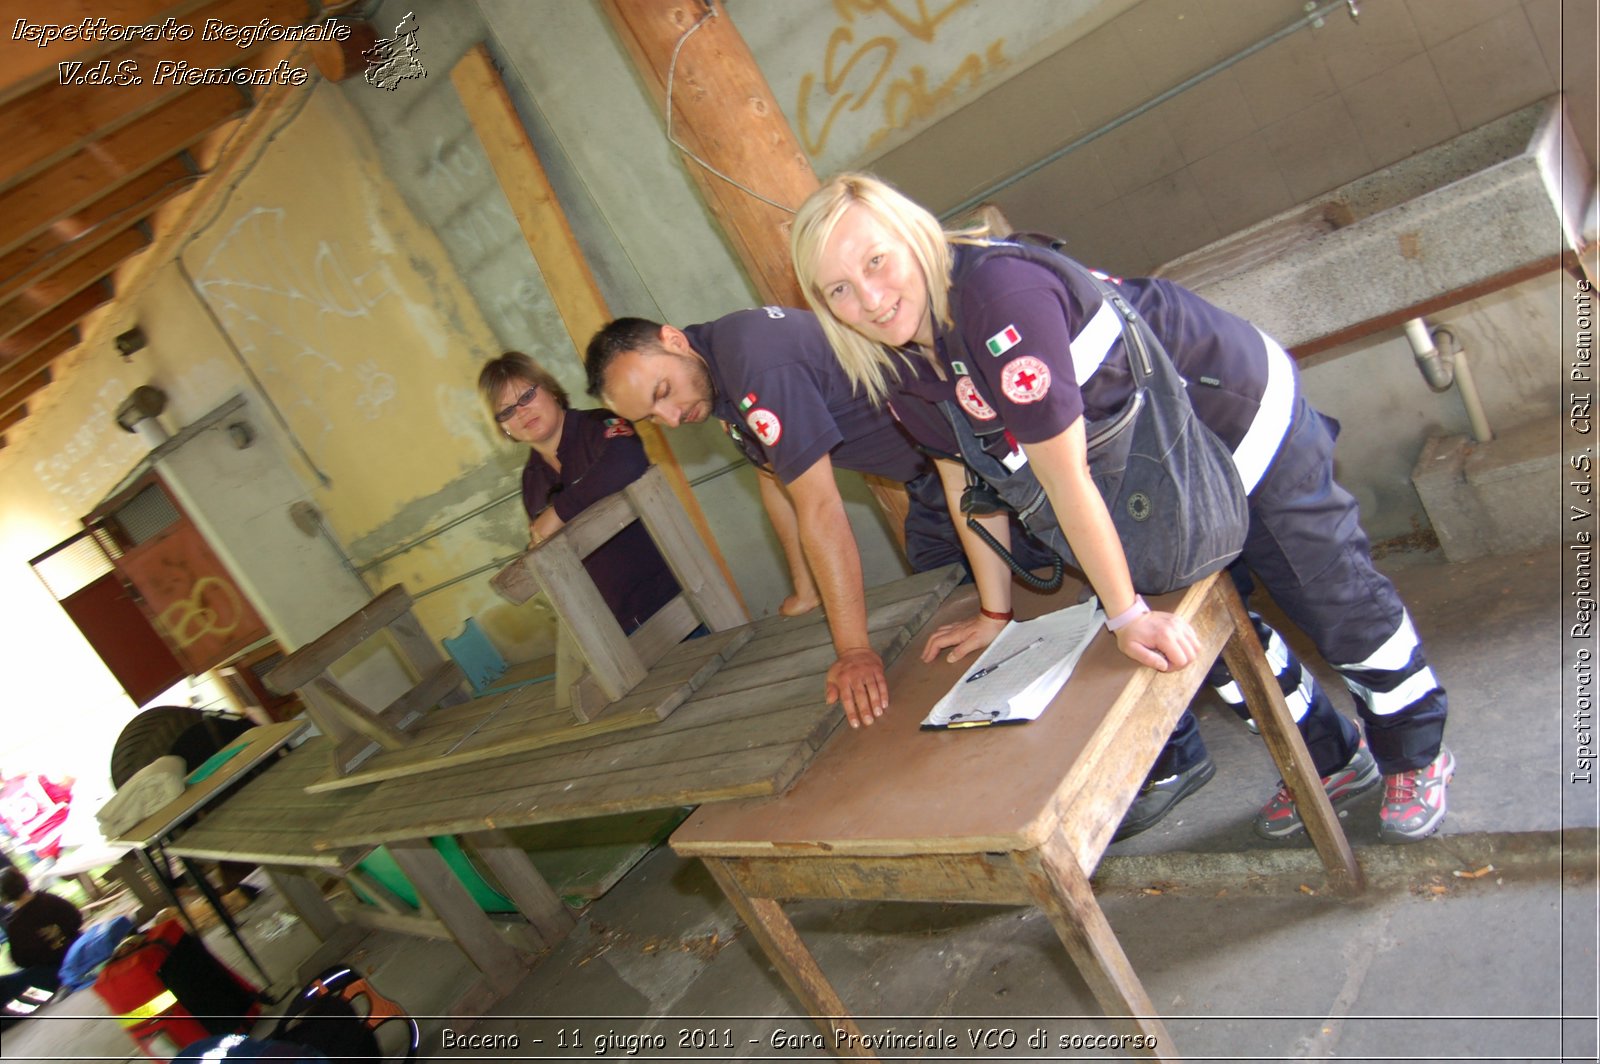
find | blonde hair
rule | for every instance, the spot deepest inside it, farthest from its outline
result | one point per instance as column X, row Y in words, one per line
column 869, row 364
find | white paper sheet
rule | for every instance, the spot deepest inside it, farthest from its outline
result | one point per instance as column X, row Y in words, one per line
column 1026, row 665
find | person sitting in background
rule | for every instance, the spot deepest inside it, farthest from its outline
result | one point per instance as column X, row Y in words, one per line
column 578, row 458
column 41, row 928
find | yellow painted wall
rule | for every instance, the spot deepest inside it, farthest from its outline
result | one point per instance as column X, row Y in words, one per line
column 316, row 277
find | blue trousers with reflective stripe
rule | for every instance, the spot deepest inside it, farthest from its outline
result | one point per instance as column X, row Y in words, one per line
column 1307, row 548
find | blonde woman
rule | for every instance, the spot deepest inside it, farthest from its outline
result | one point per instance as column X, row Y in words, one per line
column 577, row 458
column 965, row 337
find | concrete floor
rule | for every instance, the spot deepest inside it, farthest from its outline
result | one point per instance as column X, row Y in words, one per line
column 1239, row 947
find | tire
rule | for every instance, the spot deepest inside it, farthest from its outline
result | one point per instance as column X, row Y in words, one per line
column 163, row 730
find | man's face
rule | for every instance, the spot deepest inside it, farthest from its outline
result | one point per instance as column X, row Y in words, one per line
column 660, row 385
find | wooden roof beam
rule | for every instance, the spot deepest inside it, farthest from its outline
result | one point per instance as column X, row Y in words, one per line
column 14, row 374
column 54, row 120
column 98, row 265
column 87, row 175
column 16, row 397
column 72, row 237
column 61, row 318
column 10, row 418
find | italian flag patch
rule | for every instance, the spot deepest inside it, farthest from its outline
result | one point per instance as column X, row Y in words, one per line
column 747, row 402
column 1004, row 340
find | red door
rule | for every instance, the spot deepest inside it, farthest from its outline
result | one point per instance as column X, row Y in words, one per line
column 192, row 600
column 81, row 577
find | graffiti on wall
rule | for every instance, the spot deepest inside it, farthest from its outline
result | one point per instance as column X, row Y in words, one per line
column 212, row 608
column 279, row 306
column 862, row 71
column 96, row 454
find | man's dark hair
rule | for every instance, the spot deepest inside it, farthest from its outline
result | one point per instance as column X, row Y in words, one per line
column 615, row 340
column 13, row 884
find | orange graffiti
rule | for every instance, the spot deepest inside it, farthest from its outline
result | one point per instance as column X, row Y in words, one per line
column 906, row 99
column 922, row 27
column 191, row 619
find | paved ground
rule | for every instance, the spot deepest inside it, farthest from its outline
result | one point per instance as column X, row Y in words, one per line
column 1245, row 956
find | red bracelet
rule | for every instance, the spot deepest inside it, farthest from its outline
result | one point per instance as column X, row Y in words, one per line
column 994, row 616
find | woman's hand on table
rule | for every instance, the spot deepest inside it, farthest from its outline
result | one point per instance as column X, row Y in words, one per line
column 964, row 637
column 857, row 683
column 1163, row 641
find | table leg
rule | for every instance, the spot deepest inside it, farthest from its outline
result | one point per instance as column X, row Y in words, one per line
column 1248, row 663
column 302, row 895
column 164, row 879
column 437, row 885
column 520, row 881
column 209, row 893
column 781, row 943
column 1061, row 890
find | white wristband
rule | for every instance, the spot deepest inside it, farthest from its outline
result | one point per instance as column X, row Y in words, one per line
column 1129, row 615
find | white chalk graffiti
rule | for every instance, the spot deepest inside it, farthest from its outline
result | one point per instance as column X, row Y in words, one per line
column 377, row 388
column 94, row 457
column 281, row 309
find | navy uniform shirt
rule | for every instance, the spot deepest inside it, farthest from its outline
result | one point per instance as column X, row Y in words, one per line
column 599, row 456
column 1036, row 360
column 786, row 402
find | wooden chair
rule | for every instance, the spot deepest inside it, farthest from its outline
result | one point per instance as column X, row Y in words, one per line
column 485, row 669
column 596, row 664
column 357, row 729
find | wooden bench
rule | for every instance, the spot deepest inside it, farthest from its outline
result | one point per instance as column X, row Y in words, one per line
column 359, row 730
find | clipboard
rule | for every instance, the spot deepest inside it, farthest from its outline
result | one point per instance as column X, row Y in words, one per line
column 1015, row 679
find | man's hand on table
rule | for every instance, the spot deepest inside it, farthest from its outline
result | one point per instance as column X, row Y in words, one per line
column 857, row 683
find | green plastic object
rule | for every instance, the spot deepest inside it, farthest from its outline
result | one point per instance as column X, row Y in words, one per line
column 214, row 762
column 379, row 864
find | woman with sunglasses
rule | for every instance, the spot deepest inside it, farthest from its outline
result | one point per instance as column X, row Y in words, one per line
column 578, row 458
column 921, row 317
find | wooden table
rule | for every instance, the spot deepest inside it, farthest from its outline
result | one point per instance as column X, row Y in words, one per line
column 748, row 731
column 1007, row 815
column 152, row 834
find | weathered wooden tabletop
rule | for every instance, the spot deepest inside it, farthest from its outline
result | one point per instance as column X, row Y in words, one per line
column 748, row 732
column 273, row 820
column 896, row 790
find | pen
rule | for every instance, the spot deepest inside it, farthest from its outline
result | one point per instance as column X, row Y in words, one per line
column 987, row 669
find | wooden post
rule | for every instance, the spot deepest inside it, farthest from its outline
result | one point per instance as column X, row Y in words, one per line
column 723, row 110
column 544, row 225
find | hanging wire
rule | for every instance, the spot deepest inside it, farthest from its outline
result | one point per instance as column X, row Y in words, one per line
column 672, row 69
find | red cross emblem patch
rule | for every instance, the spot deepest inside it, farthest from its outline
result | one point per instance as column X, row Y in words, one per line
column 1025, row 380
column 973, row 403
column 765, row 424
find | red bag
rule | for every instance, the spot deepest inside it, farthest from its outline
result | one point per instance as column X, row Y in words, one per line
column 168, row 991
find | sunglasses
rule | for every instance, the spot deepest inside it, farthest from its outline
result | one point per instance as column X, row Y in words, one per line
column 504, row 414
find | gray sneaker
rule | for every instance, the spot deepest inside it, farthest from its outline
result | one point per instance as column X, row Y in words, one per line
column 1280, row 817
column 1157, row 797
column 1414, row 800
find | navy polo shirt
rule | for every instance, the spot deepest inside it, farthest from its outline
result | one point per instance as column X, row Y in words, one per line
column 600, row 455
column 786, row 402
column 1033, row 358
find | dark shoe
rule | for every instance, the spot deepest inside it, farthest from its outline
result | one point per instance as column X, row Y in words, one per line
column 1158, row 797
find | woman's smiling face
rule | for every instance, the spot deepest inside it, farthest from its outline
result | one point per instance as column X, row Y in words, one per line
column 871, row 281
